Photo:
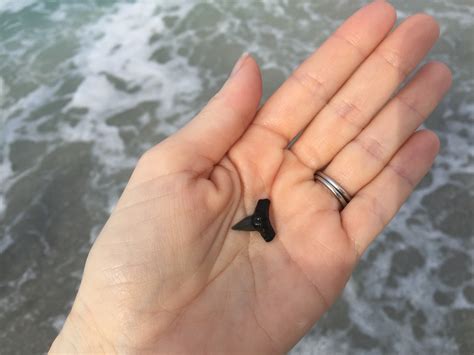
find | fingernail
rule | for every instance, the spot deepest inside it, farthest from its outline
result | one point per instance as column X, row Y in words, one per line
column 239, row 63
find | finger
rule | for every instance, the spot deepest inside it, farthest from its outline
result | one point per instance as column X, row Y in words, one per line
column 225, row 118
column 316, row 80
column 366, row 91
column 376, row 204
column 373, row 148
column 202, row 143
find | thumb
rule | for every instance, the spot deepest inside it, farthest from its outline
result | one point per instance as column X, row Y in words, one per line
column 204, row 141
column 227, row 115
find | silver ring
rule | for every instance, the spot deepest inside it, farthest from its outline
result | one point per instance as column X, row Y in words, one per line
column 337, row 190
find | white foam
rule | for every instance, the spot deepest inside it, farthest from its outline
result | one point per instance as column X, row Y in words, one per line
column 96, row 94
column 118, row 45
column 123, row 50
column 5, row 173
column 5, row 241
column 3, row 94
column 13, row 6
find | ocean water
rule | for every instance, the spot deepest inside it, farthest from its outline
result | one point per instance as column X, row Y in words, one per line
column 86, row 86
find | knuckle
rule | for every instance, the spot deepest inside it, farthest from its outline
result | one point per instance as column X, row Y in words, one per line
column 313, row 85
column 352, row 40
column 372, row 147
column 348, row 111
column 402, row 173
column 411, row 104
column 394, row 59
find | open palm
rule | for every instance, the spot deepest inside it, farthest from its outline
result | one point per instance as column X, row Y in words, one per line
column 167, row 274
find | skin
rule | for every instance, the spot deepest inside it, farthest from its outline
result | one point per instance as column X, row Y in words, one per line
column 168, row 275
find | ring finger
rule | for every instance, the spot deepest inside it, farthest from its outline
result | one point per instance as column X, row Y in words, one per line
column 365, row 156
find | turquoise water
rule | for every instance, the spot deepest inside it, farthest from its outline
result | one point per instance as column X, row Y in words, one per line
column 87, row 86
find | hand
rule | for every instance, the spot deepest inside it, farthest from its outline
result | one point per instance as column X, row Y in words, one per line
column 168, row 275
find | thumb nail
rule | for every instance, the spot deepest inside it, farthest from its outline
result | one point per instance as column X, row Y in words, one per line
column 238, row 65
